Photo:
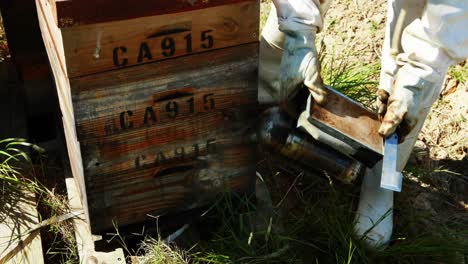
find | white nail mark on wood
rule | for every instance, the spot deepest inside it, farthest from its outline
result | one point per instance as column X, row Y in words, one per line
column 97, row 51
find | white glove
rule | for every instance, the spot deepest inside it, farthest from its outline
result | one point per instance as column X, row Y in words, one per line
column 410, row 100
column 299, row 20
column 382, row 102
column 300, row 66
column 430, row 45
column 403, row 108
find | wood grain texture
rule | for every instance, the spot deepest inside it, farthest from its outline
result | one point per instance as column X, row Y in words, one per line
column 111, row 120
column 141, row 157
column 52, row 37
column 128, row 179
column 113, row 45
column 126, row 101
column 171, row 187
column 80, row 12
column 166, row 135
column 83, row 236
column 18, row 216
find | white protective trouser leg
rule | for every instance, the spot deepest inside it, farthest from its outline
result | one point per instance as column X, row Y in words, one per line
column 374, row 217
column 430, row 44
column 271, row 51
column 435, row 38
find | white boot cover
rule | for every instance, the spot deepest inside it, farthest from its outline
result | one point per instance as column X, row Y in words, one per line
column 374, row 217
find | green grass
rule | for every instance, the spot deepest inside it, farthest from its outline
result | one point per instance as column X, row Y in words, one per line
column 459, row 72
column 318, row 228
column 17, row 175
column 355, row 79
column 157, row 251
column 12, row 156
column 311, row 221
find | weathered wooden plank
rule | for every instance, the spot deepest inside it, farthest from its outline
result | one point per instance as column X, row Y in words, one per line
column 101, row 170
column 18, row 216
column 52, row 40
column 114, row 45
column 160, row 175
column 80, row 12
column 129, row 177
column 124, row 117
column 169, row 188
column 213, row 126
column 84, row 238
column 184, row 68
column 130, row 101
column 162, row 136
column 143, row 157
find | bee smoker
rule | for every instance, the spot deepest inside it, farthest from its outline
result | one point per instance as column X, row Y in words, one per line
column 277, row 132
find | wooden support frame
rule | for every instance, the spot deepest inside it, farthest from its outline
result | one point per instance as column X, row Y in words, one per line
column 50, row 33
column 84, row 238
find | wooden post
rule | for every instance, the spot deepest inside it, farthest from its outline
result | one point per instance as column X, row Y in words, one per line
column 84, row 238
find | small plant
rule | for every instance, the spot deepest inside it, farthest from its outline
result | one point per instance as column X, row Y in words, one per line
column 459, row 72
column 356, row 80
column 156, row 251
column 12, row 156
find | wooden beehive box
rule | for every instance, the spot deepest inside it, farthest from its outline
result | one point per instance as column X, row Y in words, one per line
column 156, row 97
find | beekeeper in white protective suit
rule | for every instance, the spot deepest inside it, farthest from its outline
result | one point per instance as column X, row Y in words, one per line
column 435, row 36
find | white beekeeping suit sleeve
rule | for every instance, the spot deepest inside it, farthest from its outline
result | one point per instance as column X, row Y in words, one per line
column 430, row 44
column 300, row 15
column 288, row 57
column 389, row 66
column 271, row 51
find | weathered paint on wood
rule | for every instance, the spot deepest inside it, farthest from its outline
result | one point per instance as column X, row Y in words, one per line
column 162, row 141
column 80, row 12
column 162, row 136
column 132, row 118
column 126, row 101
column 114, row 45
column 129, row 196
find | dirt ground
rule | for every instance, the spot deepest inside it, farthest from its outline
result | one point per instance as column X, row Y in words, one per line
column 354, row 30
